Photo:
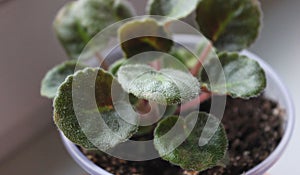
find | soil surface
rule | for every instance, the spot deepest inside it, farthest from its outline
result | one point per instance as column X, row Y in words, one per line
column 253, row 127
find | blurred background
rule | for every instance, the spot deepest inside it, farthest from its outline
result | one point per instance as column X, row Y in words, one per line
column 29, row 142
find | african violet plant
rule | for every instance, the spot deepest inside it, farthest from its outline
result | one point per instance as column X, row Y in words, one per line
column 229, row 25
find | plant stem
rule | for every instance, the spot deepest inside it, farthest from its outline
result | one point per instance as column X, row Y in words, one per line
column 201, row 59
column 148, row 112
column 143, row 107
column 200, row 99
column 102, row 61
column 167, row 26
column 156, row 64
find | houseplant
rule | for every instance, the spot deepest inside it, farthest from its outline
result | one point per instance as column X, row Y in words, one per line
column 101, row 110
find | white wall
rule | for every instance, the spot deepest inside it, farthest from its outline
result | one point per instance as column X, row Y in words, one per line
column 28, row 48
column 279, row 45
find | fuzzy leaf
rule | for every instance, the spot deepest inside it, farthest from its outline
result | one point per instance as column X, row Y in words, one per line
column 232, row 25
column 167, row 86
column 89, row 119
column 177, row 141
column 56, row 76
column 140, row 36
column 244, row 76
column 174, row 9
column 79, row 21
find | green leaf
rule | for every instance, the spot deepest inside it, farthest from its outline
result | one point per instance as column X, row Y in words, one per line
column 167, row 86
column 244, row 76
column 232, row 25
column 143, row 132
column 84, row 111
column 144, row 35
column 56, row 76
column 79, row 21
column 174, row 9
column 113, row 69
column 177, row 141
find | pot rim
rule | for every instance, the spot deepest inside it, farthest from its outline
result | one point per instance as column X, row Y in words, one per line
column 261, row 168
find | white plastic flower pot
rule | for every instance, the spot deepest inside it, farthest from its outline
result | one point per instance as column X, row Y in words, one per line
column 275, row 90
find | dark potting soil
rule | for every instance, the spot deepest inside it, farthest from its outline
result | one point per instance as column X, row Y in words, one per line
column 253, row 127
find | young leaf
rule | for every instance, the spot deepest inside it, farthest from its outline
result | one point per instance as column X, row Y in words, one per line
column 140, row 36
column 174, row 9
column 188, row 58
column 84, row 112
column 170, row 110
column 167, row 86
column 244, row 76
column 232, row 25
column 56, row 76
column 177, row 141
column 113, row 69
column 79, row 21
column 183, row 55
